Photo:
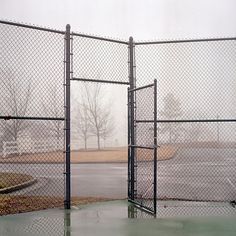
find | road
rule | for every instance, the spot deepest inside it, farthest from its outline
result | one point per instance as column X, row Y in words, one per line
column 100, row 180
column 199, row 174
column 107, row 180
column 193, row 174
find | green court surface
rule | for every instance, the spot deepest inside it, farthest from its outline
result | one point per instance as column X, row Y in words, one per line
column 112, row 218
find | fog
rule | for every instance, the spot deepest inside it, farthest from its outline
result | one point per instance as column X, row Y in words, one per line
column 142, row 19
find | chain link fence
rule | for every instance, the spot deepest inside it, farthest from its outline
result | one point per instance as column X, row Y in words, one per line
column 37, row 62
column 196, row 127
column 42, row 223
column 31, row 118
column 99, row 60
column 137, row 213
column 144, row 148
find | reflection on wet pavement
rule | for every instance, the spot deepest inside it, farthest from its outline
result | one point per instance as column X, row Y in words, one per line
column 116, row 218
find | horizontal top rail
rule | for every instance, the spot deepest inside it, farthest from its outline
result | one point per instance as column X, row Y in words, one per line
column 99, row 38
column 187, row 121
column 100, row 81
column 139, row 88
column 185, row 41
column 144, row 147
column 32, row 27
column 114, row 40
column 30, row 118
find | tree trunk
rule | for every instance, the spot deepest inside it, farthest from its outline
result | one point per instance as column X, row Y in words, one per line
column 104, row 143
column 85, row 144
column 98, row 140
column 15, row 139
column 58, row 141
column 170, row 134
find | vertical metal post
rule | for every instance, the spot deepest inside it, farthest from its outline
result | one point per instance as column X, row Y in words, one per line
column 132, row 138
column 67, row 173
column 67, row 223
column 155, row 147
column 129, row 165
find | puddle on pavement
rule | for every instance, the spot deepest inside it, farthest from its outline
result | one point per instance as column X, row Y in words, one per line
column 116, row 218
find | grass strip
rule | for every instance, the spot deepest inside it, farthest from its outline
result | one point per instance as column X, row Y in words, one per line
column 8, row 179
column 20, row 204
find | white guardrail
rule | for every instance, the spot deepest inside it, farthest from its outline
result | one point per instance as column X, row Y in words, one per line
column 16, row 147
column 10, row 148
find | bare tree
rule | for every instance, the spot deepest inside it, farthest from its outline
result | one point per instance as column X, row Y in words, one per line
column 99, row 114
column 171, row 111
column 83, row 123
column 108, row 129
column 16, row 100
column 53, row 108
column 193, row 132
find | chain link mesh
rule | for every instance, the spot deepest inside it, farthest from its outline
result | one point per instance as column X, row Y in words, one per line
column 200, row 75
column 31, row 150
column 137, row 213
column 196, row 117
column 99, row 60
column 144, row 157
column 41, row 224
column 196, row 124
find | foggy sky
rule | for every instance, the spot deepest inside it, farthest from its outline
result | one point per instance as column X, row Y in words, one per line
column 143, row 19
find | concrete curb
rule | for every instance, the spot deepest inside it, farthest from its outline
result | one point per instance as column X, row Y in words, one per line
column 62, row 163
column 18, row 187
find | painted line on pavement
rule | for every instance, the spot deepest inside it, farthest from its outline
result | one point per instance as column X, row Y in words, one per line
column 232, row 185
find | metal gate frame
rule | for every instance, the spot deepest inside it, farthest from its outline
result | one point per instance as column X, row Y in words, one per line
column 134, row 146
column 69, row 74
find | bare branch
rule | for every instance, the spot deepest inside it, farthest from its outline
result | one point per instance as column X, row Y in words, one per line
column 95, row 116
column 16, row 103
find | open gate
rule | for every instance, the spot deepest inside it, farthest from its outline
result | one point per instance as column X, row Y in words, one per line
column 143, row 146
